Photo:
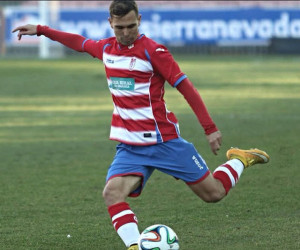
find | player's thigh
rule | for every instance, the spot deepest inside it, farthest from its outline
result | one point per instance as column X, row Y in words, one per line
column 118, row 188
column 209, row 189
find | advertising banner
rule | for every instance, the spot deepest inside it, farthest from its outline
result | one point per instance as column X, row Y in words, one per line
column 234, row 26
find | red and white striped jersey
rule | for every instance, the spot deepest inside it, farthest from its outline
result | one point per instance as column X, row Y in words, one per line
column 136, row 75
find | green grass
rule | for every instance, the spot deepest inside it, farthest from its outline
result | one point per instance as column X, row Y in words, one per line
column 54, row 127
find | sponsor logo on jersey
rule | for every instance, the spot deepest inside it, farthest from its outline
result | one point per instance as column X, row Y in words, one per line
column 110, row 61
column 120, row 83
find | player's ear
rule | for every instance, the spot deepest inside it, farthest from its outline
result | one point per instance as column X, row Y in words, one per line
column 139, row 19
column 110, row 22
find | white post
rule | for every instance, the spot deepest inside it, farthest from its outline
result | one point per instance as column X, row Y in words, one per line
column 44, row 50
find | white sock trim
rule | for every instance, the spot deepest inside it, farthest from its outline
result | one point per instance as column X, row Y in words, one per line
column 129, row 233
column 237, row 165
column 125, row 212
column 229, row 174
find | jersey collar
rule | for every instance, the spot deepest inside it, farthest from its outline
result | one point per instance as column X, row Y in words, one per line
column 122, row 47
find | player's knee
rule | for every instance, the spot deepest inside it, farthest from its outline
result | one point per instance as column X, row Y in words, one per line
column 105, row 193
column 111, row 195
column 213, row 197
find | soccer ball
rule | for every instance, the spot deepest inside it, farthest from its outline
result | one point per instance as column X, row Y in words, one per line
column 158, row 237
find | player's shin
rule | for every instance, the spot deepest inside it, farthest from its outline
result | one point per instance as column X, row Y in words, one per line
column 124, row 222
column 229, row 173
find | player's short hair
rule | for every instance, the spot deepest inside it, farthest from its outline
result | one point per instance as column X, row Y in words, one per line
column 121, row 8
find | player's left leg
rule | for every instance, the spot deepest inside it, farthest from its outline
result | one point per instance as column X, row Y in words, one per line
column 215, row 186
column 209, row 189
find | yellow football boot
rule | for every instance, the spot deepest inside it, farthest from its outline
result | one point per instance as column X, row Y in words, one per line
column 133, row 247
column 248, row 157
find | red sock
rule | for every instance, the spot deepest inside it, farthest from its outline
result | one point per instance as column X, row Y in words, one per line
column 121, row 214
column 124, row 222
column 229, row 173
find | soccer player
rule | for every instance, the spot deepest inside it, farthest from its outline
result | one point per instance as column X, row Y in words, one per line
column 137, row 69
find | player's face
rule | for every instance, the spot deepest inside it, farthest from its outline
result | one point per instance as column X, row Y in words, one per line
column 126, row 28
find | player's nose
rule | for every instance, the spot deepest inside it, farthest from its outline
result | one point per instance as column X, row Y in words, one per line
column 125, row 32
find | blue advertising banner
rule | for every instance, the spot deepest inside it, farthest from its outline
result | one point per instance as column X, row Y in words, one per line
column 236, row 26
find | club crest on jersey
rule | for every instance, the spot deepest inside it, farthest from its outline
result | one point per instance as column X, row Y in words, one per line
column 132, row 63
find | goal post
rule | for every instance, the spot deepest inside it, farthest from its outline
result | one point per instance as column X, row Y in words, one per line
column 2, row 33
column 49, row 15
column 44, row 46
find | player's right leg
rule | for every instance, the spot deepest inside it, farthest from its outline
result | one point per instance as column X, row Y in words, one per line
column 126, row 176
column 123, row 218
column 118, row 189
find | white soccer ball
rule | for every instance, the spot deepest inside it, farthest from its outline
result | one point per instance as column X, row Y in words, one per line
column 158, row 237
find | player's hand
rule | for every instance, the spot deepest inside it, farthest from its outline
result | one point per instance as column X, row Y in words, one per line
column 215, row 141
column 27, row 29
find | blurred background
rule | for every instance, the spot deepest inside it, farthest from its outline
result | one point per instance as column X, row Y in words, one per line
column 242, row 56
column 210, row 27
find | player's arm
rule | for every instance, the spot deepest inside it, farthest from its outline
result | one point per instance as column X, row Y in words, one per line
column 28, row 29
column 164, row 63
column 192, row 96
column 70, row 40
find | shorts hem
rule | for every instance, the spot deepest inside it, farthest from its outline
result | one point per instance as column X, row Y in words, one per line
column 199, row 180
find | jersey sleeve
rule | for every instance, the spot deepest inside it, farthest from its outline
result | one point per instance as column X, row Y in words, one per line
column 70, row 40
column 73, row 41
column 94, row 48
column 192, row 96
column 164, row 63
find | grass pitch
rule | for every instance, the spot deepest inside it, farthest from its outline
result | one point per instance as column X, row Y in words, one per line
column 54, row 127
